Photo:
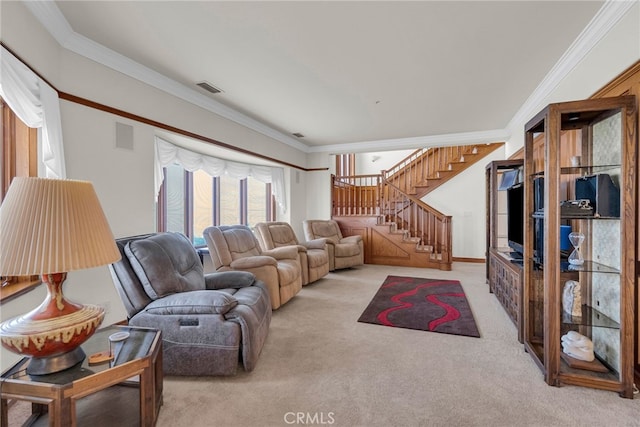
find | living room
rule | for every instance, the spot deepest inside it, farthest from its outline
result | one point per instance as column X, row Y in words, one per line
column 124, row 179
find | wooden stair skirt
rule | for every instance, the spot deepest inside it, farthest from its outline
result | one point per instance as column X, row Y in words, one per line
column 384, row 245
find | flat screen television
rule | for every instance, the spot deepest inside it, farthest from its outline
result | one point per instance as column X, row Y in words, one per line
column 515, row 218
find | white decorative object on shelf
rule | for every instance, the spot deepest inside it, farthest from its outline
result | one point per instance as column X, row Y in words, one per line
column 578, row 346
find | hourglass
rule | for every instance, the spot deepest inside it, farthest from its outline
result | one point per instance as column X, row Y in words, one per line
column 576, row 238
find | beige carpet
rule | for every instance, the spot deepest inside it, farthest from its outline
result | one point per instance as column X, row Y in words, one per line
column 320, row 362
column 321, row 367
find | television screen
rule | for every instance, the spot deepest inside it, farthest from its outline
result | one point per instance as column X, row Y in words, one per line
column 515, row 218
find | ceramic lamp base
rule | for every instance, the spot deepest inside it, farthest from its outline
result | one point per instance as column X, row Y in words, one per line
column 52, row 333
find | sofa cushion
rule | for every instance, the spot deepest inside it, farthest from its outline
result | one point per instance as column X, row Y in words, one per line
column 347, row 249
column 165, row 264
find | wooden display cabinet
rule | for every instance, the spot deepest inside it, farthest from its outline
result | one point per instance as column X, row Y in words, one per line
column 602, row 132
column 504, row 276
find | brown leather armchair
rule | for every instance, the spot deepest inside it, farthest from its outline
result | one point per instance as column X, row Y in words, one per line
column 313, row 254
column 235, row 247
column 344, row 252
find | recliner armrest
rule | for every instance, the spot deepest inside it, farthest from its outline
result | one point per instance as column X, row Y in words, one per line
column 254, row 262
column 316, row 243
column 330, row 242
column 229, row 279
column 351, row 239
column 283, row 252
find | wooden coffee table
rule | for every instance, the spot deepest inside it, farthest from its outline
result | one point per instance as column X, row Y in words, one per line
column 138, row 362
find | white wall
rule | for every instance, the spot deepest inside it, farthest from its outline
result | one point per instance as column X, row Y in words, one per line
column 318, row 190
column 373, row 163
column 463, row 197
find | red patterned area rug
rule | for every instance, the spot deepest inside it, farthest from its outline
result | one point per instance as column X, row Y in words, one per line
column 425, row 304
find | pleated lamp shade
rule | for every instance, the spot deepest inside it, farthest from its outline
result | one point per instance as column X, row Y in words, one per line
column 49, row 227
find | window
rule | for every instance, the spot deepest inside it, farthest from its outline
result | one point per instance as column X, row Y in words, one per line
column 19, row 149
column 257, row 201
column 189, row 202
column 18, row 157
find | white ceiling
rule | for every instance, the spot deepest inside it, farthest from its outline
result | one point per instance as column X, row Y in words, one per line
column 339, row 72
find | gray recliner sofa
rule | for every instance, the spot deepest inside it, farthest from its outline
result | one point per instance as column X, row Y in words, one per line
column 208, row 322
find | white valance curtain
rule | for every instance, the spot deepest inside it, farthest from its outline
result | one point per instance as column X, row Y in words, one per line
column 168, row 153
column 37, row 105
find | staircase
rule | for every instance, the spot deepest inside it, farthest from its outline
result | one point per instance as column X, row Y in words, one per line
column 397, row 227
column 426, row 169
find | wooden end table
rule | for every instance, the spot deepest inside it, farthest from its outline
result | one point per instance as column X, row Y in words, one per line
column 138, row 361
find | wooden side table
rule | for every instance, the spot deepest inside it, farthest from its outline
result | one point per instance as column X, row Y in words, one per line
column 140, row 355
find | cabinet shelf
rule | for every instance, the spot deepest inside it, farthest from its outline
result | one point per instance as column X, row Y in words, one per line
column 590, row 317
column 576, row 374
column 586, row 267
column 579, row 170
column 590, row 217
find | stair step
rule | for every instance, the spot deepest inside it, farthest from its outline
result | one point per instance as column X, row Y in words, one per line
column 411, row 239
column 433, row 179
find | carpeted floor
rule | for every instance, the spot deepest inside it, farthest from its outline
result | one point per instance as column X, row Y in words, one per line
column 319, row 361
column 433, row 305
column 320, row 366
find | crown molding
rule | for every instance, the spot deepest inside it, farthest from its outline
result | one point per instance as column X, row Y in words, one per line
column 607, row 17
column 49, row 15
column 54, row 21
column 463, row 138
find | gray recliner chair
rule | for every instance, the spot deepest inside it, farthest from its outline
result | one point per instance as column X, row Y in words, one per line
column 208, row 322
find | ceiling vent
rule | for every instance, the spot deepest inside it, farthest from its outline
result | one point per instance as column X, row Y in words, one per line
column 298, row 135
column 208, row 87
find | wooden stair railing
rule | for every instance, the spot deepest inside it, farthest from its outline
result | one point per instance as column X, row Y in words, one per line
column 356, row 195
column 426, row 169
column 429, row 228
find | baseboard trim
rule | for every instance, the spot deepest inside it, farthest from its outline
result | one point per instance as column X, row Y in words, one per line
column 462, row 259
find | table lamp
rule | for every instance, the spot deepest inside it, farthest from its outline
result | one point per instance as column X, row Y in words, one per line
column 49, row 227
